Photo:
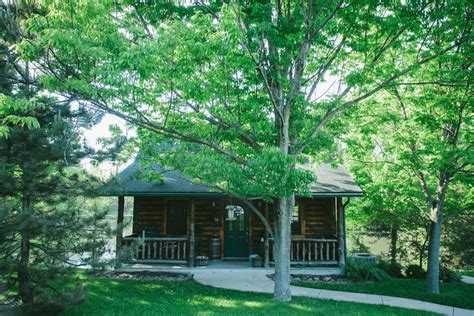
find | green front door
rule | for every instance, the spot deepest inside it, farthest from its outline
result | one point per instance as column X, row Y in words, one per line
column 236, row 241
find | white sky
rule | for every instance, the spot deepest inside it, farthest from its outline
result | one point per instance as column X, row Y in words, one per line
column 101, row 130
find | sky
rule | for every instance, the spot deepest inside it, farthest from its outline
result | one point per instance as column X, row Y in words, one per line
column 101, row 130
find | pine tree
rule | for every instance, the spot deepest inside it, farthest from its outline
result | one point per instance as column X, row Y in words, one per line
column 46, row 225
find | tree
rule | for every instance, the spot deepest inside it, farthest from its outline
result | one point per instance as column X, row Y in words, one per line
column 425, row 130
column 45, row 226
column 240, row 85
column 393, row 205
column 13, row 109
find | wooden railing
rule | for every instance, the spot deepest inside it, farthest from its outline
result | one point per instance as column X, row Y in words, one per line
column 311, row 250
column 158, row 249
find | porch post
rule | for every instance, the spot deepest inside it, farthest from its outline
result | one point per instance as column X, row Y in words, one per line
column 266, row 249
column 341, row 232
column 191, row 235
column 118, row 240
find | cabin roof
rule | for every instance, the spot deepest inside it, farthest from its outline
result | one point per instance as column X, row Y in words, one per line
column 329, row 182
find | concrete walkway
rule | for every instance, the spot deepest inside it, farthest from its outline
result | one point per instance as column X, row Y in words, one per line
column 467, row 279
column 256, row 280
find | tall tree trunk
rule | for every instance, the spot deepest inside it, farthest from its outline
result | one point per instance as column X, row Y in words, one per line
column 283, row 208
column 393, row 243
column 432, row 277
column 24, row 280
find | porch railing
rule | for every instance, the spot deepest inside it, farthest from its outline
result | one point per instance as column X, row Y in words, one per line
column 311, row 250
column 158, row 249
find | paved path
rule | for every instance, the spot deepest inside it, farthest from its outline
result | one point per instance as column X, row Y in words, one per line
column 255, row 280
column 467, row 279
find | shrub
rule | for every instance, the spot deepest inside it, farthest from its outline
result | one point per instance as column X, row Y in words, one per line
column 361, row 271
column 449, row 276
column 394, row 270
column 414, row 271
column 50, row 301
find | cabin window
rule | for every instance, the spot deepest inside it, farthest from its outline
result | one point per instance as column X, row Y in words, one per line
column 176, row 218
column 296, row 220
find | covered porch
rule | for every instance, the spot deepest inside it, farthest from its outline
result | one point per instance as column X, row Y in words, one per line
column 228, row 267
column 177, row 221
column 203, row 228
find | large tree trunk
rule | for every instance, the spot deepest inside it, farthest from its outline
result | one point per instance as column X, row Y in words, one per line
column 24, row 280
column 432, row 277
column 283, row 208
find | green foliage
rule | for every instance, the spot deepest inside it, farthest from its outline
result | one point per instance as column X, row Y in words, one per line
column 458, row 234
column 394, row 270
column 204, row 74
column 241, row 88
column 363, row 272
column 414, row 271
column 358, row 246
column 49, row 301
column 46, row 223
column 449, row 276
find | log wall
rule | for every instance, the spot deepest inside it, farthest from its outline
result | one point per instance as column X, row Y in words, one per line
column 318, row 220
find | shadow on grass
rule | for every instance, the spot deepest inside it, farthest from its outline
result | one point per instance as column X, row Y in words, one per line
column 128, row 297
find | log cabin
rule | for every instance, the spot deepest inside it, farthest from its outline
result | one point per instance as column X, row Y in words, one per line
column 176, row 221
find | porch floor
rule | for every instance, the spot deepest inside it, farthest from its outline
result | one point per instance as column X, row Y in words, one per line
column 229, row 267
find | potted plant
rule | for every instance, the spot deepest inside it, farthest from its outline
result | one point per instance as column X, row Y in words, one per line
column 201, row 261
column 257, row 261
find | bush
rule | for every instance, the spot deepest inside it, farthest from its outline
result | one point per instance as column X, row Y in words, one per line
column 361, row 271
column 414, row 271
column 394, row 270
column 50, row 301
column 449, row 276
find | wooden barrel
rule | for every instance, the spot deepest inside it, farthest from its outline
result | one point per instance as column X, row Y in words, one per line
column 214, row 248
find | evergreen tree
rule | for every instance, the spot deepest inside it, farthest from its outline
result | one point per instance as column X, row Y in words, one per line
column 45, row 224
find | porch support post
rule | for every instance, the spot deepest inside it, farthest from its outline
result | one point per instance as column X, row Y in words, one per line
column 266, row 245
column 118, row 240
column 341, row 232
column 191, row 234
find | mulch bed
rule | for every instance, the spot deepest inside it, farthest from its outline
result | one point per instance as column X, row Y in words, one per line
column 335, row 279
column 149, row 276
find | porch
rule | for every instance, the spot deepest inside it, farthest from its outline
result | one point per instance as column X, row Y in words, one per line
column 225, row 267
column 177, row 250
column 176, row 230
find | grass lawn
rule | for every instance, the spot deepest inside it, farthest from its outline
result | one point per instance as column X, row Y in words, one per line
column 459, row 295
column 128, row 297
column 468, row 273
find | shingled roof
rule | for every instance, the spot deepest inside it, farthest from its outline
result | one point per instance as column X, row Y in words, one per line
column 330, row 182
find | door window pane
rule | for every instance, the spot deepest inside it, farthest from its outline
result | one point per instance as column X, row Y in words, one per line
column 296, row 220
column 176, row 218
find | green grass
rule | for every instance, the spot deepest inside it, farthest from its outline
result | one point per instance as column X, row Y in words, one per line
column 452, row 294
column 468, row 273
column 128, row 297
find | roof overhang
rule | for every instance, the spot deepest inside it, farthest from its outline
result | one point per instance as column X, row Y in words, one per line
column 337, row 194
column 218, row 194
column 151, row 194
